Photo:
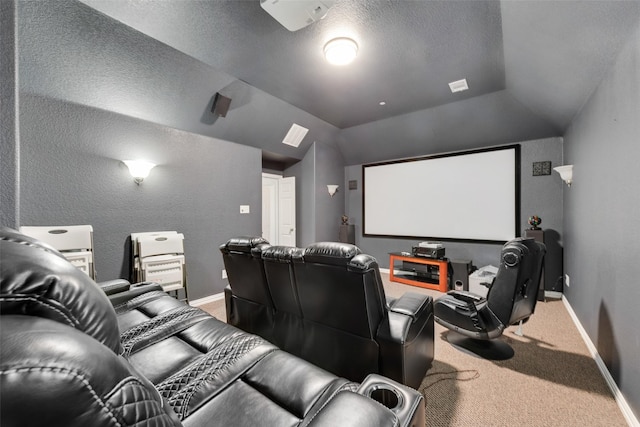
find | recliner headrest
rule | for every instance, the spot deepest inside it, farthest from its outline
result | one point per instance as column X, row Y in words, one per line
column 362, row 263
column 333, row 253
column 35, row 280
column 281, row 253
column 248, row 245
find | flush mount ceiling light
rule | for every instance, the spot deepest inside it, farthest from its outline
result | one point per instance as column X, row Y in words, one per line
column 340, row 51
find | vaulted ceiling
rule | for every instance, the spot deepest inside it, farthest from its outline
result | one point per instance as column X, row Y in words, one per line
column 530, row 66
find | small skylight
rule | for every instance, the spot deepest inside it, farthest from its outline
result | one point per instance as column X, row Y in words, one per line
column 459, row 86
column 295, row 135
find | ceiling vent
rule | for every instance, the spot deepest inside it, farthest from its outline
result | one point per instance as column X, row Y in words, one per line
column 459, row 86
column 295, row 135
column 296, row 14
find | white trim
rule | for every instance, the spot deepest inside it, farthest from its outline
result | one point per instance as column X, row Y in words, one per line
column 617, row 394
column 271, row 175
column 206, row 300
column 553, row 294
column 384, row 270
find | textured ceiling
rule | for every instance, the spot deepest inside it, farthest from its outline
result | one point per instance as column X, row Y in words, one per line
column 408, row 51
column 530, row 65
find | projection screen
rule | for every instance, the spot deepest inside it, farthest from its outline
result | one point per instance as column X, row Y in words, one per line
column 468, row 196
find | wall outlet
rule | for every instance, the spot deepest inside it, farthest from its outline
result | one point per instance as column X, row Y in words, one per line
column 244, row 209
column 224, row 273
column 567, row 280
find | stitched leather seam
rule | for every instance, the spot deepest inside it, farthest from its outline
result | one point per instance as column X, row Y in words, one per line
column 74, row 374
column 69, row 320
column 181, row 318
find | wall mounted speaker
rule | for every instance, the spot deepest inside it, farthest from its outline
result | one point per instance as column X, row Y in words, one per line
column 220, row 105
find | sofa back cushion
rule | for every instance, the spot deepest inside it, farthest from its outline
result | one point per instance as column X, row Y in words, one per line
column 36, row 280
column 242, row 258
column 338, row 287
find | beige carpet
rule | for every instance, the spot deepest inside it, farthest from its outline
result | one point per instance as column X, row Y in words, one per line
column 550, row 381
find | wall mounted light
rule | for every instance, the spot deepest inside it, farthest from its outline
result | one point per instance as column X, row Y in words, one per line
column 566, row 173
column 139, row 169
column 332, row 189
column 340, row 51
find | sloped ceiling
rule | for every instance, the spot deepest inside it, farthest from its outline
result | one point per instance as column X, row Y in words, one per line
column 530, row 66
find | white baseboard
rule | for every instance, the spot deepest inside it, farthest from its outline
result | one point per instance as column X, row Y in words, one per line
column 553, row 294
column 620, row 400
column 384, row 270
column 206, row 300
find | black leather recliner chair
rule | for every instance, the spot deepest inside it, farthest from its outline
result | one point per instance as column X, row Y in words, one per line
column 248, row 301
column 511, row 298
column 351, row 327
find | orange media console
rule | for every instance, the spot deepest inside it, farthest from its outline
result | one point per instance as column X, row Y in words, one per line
column 414, row 280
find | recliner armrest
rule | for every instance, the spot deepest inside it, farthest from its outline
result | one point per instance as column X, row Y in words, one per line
column 110, row 287
column 134, row 290
column 353, row 409
column 466, row 296
column 410, row 304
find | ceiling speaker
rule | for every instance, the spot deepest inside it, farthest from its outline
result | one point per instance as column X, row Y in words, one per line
column 220, row 105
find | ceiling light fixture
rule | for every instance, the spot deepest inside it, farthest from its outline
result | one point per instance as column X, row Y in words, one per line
column 340, row 51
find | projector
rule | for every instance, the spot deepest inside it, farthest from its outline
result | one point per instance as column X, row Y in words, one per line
column 296, row 14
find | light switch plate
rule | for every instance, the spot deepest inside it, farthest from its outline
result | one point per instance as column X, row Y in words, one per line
column 244, row 209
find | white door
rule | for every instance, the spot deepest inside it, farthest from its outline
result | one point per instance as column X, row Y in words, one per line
column 287, row 211
column 279, row 209
column 270, row 207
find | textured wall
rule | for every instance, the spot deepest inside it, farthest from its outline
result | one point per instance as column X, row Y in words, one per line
column 329, row 170
column 9, row 148
column 602, row 237
column 70, row 51
column 71, row 173
column 540, row 195
column 318, row 214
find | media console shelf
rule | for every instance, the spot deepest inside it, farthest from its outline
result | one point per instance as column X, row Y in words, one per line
column 414, row 279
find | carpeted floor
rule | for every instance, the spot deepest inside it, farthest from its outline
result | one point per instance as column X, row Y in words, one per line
column 550, row 381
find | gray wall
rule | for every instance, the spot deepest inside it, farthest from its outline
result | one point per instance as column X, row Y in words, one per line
column 540, row 195
column 602, row 232
column 9, row 148
column 318, row 214
column 71, row 173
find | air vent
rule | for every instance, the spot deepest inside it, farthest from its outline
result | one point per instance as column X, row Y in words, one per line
column 295, row 135
column 458, row 86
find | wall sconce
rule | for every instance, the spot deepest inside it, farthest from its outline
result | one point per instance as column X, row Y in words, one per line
column 139, row 169
column 332, row 189
column 566, row 173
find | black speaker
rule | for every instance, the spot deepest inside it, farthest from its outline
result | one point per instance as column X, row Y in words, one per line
column 220, row 105
column 460, row 270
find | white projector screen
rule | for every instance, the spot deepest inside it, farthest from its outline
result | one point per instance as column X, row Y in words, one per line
column 468, row 196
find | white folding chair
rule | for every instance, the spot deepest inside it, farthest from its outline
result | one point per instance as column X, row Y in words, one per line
column 75, row 242
column 160, row 259
column 136, row 272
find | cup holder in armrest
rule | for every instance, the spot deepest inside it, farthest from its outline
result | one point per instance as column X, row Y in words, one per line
column 406, row 403
column 382, row 393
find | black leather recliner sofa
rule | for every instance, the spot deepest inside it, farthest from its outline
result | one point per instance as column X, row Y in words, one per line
column 326, row 303
column 76, row 354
